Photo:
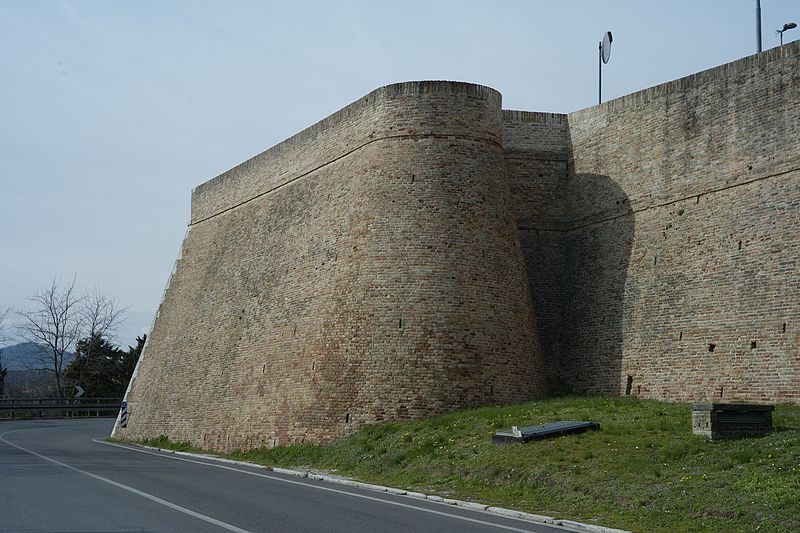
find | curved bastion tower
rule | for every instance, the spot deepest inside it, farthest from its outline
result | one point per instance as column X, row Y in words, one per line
column 368, row 268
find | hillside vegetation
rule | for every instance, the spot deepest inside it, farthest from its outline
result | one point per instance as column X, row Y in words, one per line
column 644, row 470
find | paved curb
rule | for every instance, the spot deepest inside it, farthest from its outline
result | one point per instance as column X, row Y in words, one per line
column 471, row 506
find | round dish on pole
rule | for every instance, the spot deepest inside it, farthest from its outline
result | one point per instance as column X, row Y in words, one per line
column 605, row 48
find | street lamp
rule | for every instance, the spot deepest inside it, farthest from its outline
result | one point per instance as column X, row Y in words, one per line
column 789, row 26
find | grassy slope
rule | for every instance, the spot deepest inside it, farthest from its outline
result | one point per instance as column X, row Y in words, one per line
column 644, row 470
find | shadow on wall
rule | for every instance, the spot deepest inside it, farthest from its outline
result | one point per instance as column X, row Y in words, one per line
column 597, row 234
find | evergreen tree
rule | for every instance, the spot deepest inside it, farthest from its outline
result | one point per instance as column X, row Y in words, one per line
column 128, row 365
column 93, row 366
column 103, row 370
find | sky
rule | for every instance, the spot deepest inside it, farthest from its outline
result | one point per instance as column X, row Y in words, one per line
column 112, row 111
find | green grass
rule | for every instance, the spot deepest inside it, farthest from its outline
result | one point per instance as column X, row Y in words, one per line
column 644, row 470
column 164, row 442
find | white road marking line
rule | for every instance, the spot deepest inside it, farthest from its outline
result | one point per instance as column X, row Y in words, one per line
column 319, row 487
column 138, row 492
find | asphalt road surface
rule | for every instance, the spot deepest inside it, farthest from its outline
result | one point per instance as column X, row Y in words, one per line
column 59, row 475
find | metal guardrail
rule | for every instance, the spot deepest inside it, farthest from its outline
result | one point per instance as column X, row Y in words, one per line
column 58, row 407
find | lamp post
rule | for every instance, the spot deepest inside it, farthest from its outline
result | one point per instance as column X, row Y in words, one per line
column 758, row 25
column 788, row 26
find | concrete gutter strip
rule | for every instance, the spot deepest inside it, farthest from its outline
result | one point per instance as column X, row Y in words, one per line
column 471, row 506
column 591, row 528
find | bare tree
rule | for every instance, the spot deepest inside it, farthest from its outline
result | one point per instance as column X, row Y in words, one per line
column 3, row 334
column 3, row 338
column 3, row 315
column 101, row 315
column 57, row 318
column 54, row 321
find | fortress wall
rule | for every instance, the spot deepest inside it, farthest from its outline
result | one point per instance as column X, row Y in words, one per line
column 373, row 118
column 683, row 232
column 421, row 251
column 387, row 283
column 536, row 152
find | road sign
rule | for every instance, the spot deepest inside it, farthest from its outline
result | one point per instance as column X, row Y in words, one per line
column 79, row 391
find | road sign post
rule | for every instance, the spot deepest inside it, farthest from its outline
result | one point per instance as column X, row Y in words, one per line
column 123, row 415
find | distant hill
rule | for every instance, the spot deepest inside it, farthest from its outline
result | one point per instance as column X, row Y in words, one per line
column 23, row 356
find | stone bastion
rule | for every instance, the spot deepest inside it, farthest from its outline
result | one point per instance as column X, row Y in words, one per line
column 423, row 250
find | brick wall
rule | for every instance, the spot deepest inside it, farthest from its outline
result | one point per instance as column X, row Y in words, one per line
column 536, row 153
column 382, row 281
column 682, row 233
column 421, row 251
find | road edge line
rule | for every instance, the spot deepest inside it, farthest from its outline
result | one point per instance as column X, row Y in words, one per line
column 133, row 490
column 463, row 504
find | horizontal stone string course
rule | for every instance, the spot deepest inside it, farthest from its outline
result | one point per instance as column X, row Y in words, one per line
column 667, row 204
column 290, row 180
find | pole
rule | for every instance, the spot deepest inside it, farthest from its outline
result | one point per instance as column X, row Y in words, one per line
column 758, row 25
column 781, row 38
column 600, row 73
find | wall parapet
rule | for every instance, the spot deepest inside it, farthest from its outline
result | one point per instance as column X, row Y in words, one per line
column 535, row 117
column 342, row 132
column 728, row 70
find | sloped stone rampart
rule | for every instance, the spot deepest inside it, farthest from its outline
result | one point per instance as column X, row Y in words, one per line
column 422, row 250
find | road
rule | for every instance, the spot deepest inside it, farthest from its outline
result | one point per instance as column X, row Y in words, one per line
column 60, row 475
